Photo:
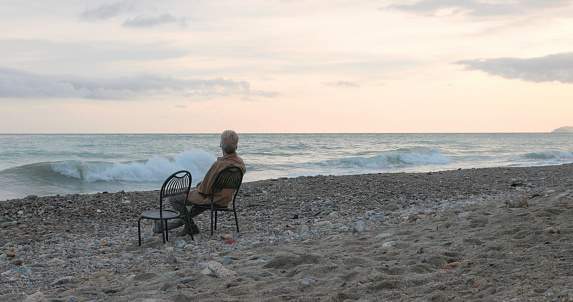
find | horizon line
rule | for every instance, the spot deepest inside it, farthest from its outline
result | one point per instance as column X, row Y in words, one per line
column 249, row 133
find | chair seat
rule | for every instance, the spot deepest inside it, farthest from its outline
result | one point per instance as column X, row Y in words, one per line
column 154, row 214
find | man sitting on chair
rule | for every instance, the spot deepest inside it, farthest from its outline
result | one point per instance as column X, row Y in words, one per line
column 202, row 193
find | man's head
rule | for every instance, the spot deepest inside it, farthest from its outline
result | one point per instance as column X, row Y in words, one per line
column 229, row 141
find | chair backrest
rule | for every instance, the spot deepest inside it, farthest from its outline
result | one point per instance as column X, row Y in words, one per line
column 229, row 178
column 177, row 184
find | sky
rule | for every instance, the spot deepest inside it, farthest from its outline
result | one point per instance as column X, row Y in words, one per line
column 285, row 66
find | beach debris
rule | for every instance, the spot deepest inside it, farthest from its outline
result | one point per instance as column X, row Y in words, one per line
column 226, row 236
column 389, row 244
column 216, row 268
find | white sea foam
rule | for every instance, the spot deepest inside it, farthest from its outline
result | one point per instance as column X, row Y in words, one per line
column 544, row 155
column 154, row 169
column 392, row 160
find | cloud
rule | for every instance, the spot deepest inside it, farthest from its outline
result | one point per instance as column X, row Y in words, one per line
column 107, row 11
column 477, row 8
column 551, row 68
column 142, row 21
column 21, row 84
column 341, row 84
column 150, row 18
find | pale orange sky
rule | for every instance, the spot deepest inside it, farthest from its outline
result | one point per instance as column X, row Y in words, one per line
column 285, row 66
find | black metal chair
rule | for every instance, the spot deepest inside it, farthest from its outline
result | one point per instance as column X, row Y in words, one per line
column 179, row 183
column 229, row 178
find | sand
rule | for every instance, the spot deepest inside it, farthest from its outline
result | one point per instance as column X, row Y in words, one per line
column 497, row 234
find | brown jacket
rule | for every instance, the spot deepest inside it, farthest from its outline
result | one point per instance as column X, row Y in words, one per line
column 202, row 193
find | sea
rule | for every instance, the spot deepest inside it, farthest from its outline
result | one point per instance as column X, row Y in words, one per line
column 61, row 164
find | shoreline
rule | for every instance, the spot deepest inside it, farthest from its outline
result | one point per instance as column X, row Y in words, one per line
column 297, row 177
column 353, row 237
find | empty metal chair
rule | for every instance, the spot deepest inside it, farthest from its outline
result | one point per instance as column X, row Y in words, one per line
column 178, row 183
column 229, row 178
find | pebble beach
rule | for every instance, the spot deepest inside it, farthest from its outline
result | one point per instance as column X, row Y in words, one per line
column 491, row 234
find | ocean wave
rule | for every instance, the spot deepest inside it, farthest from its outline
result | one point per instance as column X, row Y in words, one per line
column 391, row 160
column 548, row 155
column 153, row 169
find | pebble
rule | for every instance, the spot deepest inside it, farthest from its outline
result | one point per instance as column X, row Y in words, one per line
column 251, row 274
column 127, row 256
column 479, row 283
column 307, row 281
column 383, row 235
column 61, row 281
column 389, row 244
column 391, row 239
column 23, row 270
column 35, row 297
column 170, row 276
column 16, row 262
column 228, row 260
column 552, row 230
column 360, row 226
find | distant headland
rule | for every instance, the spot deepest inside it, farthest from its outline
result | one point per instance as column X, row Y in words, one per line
column 563, row 130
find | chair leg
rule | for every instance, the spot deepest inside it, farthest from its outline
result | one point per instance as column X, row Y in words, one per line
column 216, row 216
column 188, row 218
column 212, row 221
column 236, row 220
column 139, row 230
column 164, row 231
